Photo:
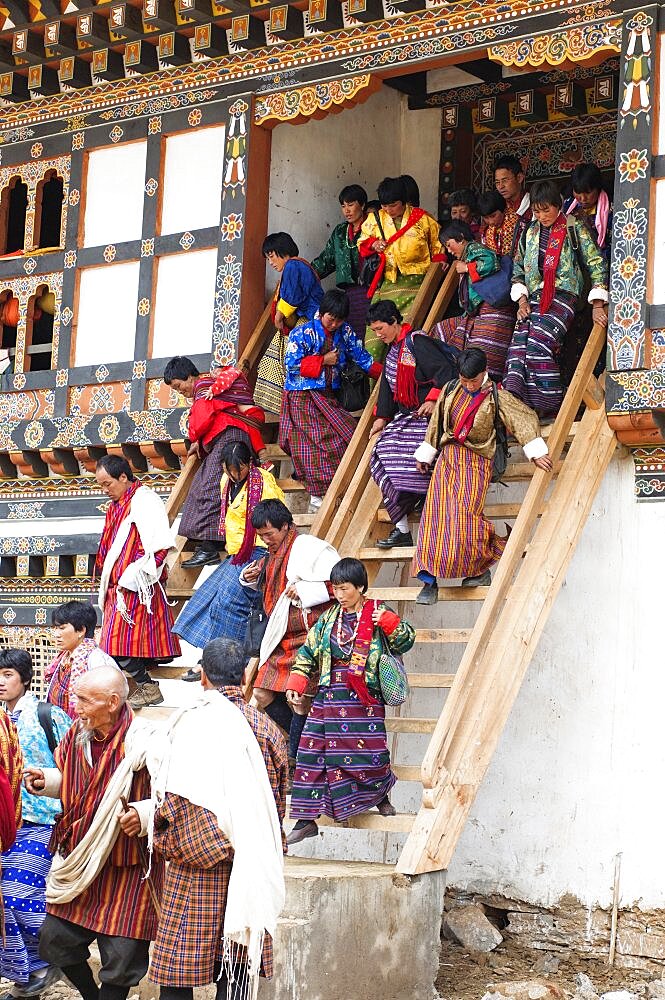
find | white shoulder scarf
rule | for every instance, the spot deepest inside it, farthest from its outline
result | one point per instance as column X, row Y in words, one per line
column 148, row 513
column 310, row 561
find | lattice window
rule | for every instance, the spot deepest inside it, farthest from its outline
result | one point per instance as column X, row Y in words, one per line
column 42, row 649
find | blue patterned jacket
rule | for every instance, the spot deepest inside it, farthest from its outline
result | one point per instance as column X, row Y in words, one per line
column 307, row 341
column 36, row 753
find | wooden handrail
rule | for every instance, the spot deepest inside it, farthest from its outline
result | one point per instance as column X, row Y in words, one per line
column 454, row 723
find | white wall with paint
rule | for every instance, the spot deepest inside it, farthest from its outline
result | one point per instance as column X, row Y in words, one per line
column 578, row 772
column 312, row 162
column 115, row 179
column 184, row 301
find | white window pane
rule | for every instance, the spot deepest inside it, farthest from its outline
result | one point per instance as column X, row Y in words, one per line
column 106, row 316
column 192, row 186
column 184, row 306
column 114, row 194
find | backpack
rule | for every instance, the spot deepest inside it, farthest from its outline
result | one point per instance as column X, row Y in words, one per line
column 45, row 717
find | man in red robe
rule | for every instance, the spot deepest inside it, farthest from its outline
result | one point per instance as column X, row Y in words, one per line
column 136, row 618
column 95, row 834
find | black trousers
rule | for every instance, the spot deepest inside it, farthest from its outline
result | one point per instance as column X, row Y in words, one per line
column 62, row 943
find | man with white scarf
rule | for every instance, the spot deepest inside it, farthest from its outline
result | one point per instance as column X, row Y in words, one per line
column 221, row 797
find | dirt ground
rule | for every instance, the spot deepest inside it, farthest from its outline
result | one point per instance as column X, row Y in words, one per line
column 465, row 976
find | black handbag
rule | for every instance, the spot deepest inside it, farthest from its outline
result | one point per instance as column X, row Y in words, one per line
column 257, row 619
column 501, row 453
column 370, row 265
column 353, row 392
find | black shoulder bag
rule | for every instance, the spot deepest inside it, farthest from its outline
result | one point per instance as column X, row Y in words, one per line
column 257, row 619
column 45, row 717
column 370, row 265
column 501, row 452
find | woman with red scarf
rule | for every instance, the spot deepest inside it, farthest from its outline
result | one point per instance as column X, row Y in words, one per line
column 221, row 605
column 548, row 281
column 343, row 764
column 415, row 369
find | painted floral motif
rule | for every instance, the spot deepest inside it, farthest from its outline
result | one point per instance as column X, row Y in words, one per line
column 147, row 247
column 226, row 329
column 40, row 616
column 116, row 134
column 70, row 259
column 109, row 253
column 29, row 264
column 9, row 615
column 78, row 140
column 101, row 373
column 232, row 226
column 633, row 165
column 151, row 186
column 61, row 377
column 74, row 197
column 236, row 148
column 109, row 428
column 194, row 117
column 187, row 241
column 154, row 126
column 24, row 511
column 637, row 71
column 139, row 369
column 19, row 381
column 144, row 307
column 36, row 150
column 35, row 545
column 286, row 105
column 66, row 316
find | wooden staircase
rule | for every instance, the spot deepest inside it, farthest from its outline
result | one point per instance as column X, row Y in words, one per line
column 444, row 747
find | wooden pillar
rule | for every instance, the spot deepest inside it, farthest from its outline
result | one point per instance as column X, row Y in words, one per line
column 240, row 282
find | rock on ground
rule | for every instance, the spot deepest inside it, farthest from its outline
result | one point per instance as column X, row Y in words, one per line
column 468, row 926
column 532, row 989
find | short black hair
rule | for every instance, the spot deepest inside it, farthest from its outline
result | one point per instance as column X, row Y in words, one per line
column 20, row 661
column 272, row 512
column 464, row 196
column 385, row 311
column 457, row 230
column 280, row 244
column 472, row 362
column 223, row 661
column 180, row 368
column 586, row 177
column 508, row 162
column 78, row 614
column 351, row 193
column 116, row 466
column 412, row 190
column 335, row 302
column 236, row 453
column 392, row 189
column 545, row 193
column 490, row 202
column 350, row 571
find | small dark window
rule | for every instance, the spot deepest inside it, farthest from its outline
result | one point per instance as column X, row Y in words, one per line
column 13, row 207
column 39, row 332
column 8, row 321
column 48, row 210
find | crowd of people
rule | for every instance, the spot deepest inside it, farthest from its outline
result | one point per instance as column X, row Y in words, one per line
column 110, row 797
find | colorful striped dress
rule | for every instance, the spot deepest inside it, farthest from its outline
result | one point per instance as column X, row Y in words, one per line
column 150, row 635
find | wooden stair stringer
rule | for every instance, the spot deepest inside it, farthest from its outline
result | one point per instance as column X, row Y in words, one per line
column 480, row 700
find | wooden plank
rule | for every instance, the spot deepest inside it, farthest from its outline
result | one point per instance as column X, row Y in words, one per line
column 407, row 772
column 399, row 554
column 443, row 634
column 516, row 471
column 489, row 693
column 593, row 396
column 491, row 510
column 445, row 593
column 401, row 823
column 182, row 487
column 401, row 724
column 259, row 340
column 431, row 680
column 290, row 485
column 303, row 520
column 434, row 278
column 442, row 299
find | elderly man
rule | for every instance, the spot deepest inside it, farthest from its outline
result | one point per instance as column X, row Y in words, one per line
column 96, row 887
column 220, row 827
column 136, row 618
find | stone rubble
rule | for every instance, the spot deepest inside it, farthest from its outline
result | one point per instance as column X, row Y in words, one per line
column 469, row 927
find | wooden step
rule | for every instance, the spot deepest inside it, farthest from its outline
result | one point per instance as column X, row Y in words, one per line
column 303, row 520
column 443, row 634
column 431, row 680
column 404, row 724
column 392, row 594
column 407, row 772
column 524, row 470
column 290, row 485
column 491, row 510
column 402, row 823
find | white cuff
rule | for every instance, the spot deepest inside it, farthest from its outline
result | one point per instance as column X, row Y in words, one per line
column 311, row 593
column 52, row 783
column 244, row 583
column 598, row 293
column 535, row 448
column 517, row 291
column 143, row 811
column 425, row 453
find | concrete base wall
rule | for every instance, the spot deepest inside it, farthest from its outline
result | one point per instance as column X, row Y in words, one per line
column 354, row 931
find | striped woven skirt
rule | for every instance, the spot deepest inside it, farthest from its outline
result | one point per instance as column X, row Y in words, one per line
column 491, row 329
column 402, row 292
column 219, row 608
column 532, row 367
column 200, row 514
column 343, row 764
column 358, row 306
column 24, row 870
column 393, row 466
column 315, row 432
column 454, row 538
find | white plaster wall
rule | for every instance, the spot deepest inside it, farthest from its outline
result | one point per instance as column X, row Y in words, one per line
column 115, row 179
column 312, row 162
column 106, row 314
column 577, row 776
column 190, row 205
column 184, row 303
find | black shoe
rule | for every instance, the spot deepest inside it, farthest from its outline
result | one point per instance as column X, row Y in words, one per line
column 298, row 833
column 201, row 557
column 396, row 539
column 484, row 580
column 428, row 595
column 191, row 675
